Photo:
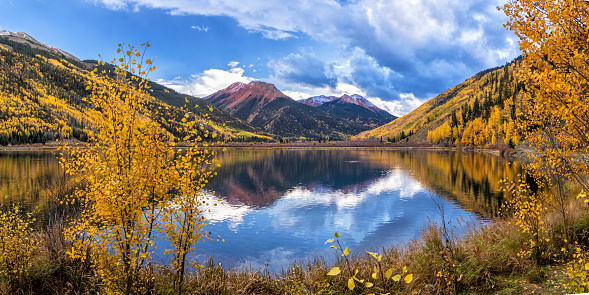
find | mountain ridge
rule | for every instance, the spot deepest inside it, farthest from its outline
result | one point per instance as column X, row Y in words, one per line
column 251, row 97
column 266, row 107
column 25, row 38
column 44, row 99
column 356, row 99
column 481, row 111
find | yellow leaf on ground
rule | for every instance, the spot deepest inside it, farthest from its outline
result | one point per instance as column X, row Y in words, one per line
column 334, row 271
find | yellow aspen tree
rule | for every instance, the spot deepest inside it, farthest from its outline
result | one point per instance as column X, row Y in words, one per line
column 554, row 37
column 467, row 135
column 16, row 245
column 133, row 178
column 446, row 132
column 510, row 133
column 455, row 133
column 527, row 208
column 478, row 132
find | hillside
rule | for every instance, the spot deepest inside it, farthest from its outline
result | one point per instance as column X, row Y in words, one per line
column 479, row 111
column 264, row 106
column 42, row 90
column 200, row 107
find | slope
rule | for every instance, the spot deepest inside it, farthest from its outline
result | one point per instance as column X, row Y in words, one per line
column 479, row 111
column 197, row 106
column 42, row 91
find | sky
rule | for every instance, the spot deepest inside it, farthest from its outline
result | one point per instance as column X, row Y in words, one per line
column 396, row 53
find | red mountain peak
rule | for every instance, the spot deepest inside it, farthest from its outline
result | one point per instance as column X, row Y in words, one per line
column 255, row 95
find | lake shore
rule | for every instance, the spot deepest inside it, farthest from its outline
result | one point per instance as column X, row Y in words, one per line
column 332, row 145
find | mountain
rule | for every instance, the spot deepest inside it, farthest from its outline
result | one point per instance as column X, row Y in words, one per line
column 316, row 101
column 245, row 101
column 42, row 91
column 356, row 99
column 360, row 101
column 263, row 105
column 480, row 111
column 353, row 108
column 357, row 109
column 24, row 38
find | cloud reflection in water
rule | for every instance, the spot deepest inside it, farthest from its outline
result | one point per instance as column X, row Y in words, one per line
column 388, row 205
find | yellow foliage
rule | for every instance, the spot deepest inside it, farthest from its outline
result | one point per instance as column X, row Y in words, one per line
column 442, row 133
column 528, row 208
column 16, row 245
column 578, row 272
column 136, row 184
column 553, row 39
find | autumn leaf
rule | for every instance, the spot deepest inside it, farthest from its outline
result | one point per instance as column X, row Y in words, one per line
column 334, row 271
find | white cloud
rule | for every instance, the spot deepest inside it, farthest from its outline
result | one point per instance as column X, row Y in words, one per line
column 345, row 88
column 406, row 104
column 200, row 29
column 275, row 34
column 305, row 70
column 409, row 46
column 114, row 4
column 207, row 82
column 407, row 22
column 296, row 95
column 233, row 64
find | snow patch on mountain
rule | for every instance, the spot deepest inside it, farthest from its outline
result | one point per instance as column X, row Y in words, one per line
column 235, row 87
column 33, row 42
column 28, row 37
column 356, row 99
column 362, row 100
column 317, row 100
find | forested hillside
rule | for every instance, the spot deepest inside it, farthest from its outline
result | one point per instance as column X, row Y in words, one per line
column 478, row 112
column 41, row 99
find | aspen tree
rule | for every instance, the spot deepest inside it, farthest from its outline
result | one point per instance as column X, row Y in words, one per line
column 136, row 185
column 554, row 37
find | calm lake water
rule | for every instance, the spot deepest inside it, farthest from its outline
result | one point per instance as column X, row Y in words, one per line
column 279, row 206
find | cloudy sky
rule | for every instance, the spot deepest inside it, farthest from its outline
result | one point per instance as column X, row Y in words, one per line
column 398, row 53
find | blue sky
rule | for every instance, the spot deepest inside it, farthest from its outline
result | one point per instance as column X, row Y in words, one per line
column 397, row 53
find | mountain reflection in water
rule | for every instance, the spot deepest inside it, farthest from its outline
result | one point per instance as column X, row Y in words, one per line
column 281, row 205
column 278, row 206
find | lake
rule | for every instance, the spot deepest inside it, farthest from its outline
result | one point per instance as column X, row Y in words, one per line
column 278, row 206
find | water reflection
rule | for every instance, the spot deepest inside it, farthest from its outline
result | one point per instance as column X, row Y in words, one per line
column 258, row 178
column 25, row 178
column 281, row 205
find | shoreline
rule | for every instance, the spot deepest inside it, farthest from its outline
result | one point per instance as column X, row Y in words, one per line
column 344, row 145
